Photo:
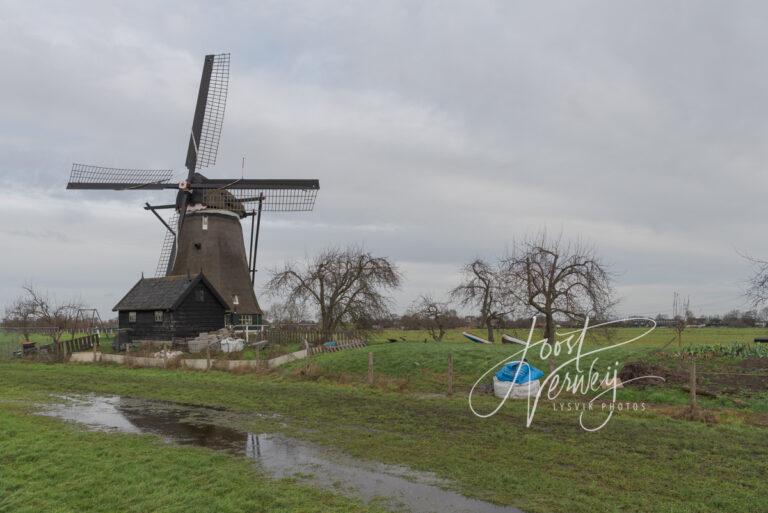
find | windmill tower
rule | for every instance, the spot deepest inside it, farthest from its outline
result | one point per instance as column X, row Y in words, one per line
column 204, row 233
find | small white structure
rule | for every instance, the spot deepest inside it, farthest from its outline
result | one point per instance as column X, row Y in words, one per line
column 232, row 345
column 518, row 390
column 513, row 340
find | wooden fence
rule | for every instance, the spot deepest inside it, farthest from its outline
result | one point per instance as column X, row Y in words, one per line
column 311, row 334
column 354, row 344
column 80, row 344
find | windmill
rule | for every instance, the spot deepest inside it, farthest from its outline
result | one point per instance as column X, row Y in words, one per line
column 204, row 232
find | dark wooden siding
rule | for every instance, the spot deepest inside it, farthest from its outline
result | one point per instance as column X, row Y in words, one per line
column 188, row 320
column 193, row 316
column 145, row 326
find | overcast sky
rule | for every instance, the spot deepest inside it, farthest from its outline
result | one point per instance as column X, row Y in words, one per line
column 439, row 131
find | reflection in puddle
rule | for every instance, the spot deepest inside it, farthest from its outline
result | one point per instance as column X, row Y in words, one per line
column 394, row 487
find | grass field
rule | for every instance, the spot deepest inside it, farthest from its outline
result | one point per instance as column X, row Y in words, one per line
column 642, row 461
column 656, row 338
column 414, row 365
column 10, row 340
column 53, row 467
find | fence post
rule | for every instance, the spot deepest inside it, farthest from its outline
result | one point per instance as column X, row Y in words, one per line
column 208, row 356
column 693, row 383
column 93, row 346
column 450, row 374
column 370, row 368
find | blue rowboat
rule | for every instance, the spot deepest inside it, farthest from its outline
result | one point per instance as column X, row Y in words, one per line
column 475, row 339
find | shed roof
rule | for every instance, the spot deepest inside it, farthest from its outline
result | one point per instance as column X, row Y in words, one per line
column 164, row 293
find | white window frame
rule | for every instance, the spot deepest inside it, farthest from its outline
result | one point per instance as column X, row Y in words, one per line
column 131, row 316
column 158, row 316
column 205, row 222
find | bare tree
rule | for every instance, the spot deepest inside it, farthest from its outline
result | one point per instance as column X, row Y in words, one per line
column 757, row 288
column 36, row 310
column 482, row 287
column 682, row 315
column 558, row 280
column 433, row 314
column 20, row 315
column 762, row 315
column 344, row 285
column 287, row 313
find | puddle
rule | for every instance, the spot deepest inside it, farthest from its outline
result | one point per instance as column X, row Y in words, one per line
column 396, row 488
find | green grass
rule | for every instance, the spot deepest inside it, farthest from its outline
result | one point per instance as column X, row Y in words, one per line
column 11, row 340
column 51, row 466
column 642, row 461
column 422, row 366
column 657, row 338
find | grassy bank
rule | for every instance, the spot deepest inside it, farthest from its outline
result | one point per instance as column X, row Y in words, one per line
column 51, row 466
column 642, row 461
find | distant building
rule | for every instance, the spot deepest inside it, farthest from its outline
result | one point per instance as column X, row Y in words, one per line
column 170, row 309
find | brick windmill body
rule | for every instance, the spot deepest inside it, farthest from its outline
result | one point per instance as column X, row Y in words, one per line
column 204, row 231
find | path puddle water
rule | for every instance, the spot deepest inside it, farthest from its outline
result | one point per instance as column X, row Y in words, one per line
column 394, row 487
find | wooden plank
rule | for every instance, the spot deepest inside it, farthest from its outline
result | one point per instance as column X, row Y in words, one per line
column 370, row 368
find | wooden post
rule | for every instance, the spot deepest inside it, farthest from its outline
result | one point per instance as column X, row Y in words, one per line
column 693, row 383
column 450, row 374
column 208, row 356
column 370, row 368
column 93, row 346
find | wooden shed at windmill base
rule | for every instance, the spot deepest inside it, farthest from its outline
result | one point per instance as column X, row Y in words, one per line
column 169, row 310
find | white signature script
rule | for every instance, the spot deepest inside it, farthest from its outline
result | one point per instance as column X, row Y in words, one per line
column 578, row 380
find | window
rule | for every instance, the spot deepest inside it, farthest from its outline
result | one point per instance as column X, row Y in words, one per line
column 235, row 300
column 131, row 316
column 246, row 319
column 158, row 316
column 200, row 294
column 205, row 222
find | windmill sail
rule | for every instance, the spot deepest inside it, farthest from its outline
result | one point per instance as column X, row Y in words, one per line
column 209, row 113
column 239, row 195
column 168, row 249
column 208, row 147
column 84, row 176
column 273, row 199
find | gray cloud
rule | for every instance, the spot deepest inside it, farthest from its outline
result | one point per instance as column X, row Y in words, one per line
column 439, row 131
